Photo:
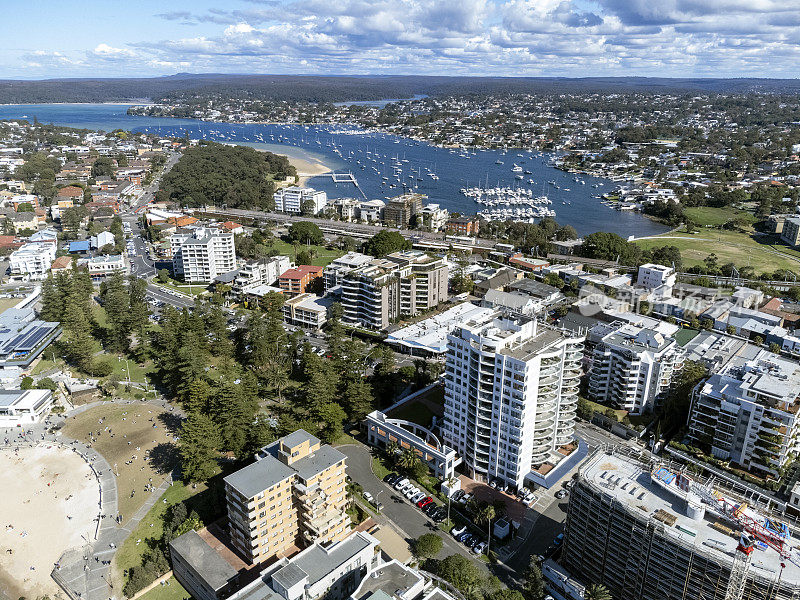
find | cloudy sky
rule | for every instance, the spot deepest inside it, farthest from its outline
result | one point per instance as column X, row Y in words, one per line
column 716, row 38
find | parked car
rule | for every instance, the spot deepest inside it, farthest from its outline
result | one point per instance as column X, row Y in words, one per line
column 391, row 478
column 368, row 497
column 560, row 494
column 439, row 516
column 400, row 483
column 415, row 495
column 479, row 548
column 558, row 540
column 457, row 531
column 425, row 502
column 457, row 495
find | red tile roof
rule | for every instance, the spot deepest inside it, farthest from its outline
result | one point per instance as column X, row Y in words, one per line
column 301, row 271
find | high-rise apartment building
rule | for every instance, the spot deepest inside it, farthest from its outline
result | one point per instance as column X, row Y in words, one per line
column 632, row 367
column 202, row 254
column 648, row 532
column 747, row 411
column 400, row 210
column 293, row 495
column 511, row 393
column 402, row 283
column 339, row 267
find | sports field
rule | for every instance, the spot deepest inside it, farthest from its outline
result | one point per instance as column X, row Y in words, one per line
column 137, row 440
column 764, row 253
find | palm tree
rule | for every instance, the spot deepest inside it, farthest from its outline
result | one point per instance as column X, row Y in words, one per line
column 278, row 379
column 597, row 591
column 408, row 459
column 486, row 514
column 392, row 449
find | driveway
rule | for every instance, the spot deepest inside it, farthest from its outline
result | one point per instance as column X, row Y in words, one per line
column 399, row 514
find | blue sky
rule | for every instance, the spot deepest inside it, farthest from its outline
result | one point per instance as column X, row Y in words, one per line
column 679, row 38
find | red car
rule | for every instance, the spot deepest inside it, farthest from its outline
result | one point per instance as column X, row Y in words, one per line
column 425, row 501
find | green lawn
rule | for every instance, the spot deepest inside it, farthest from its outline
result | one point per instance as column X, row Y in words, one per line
column 685, row 335
column 414, row 411
column 151, row 526
column 322, row 255
column 190, row 290
column 742, row 249
column 710, row 216
column 171, row 590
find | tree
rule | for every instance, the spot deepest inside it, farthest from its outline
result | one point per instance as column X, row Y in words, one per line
column 597, row 591
column 486, row 515
column 199, row 442
column 461, row 572
column 385, row 242
column 534, row 581
column 427, row 546
column 408, row 459
column 27, row 383
column 305, row 232
column 277, row 378
column 163, row 276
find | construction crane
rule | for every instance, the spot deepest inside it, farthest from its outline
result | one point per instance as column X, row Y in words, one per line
column 741, row 565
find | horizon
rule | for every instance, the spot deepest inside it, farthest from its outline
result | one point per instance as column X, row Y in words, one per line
column 515, row 38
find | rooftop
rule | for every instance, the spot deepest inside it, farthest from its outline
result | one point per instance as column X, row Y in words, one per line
column 257, row 477
column 431, row 334
column 392, row 579
column 313, row 464
column 630, row 483
column 203, row 559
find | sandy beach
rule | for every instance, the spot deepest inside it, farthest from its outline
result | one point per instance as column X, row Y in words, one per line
column 50, row 499
column 308, row 168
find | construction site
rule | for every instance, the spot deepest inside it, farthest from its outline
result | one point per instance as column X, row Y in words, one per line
column 650, row 530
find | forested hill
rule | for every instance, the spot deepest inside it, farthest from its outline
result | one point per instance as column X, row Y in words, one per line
column 237, row 176
column 335, row 89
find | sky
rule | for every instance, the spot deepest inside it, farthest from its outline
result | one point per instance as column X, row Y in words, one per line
column 570, row 38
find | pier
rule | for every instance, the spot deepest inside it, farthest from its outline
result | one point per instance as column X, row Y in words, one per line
column 347, row 178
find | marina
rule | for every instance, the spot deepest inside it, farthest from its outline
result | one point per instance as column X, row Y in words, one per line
column 384, row 166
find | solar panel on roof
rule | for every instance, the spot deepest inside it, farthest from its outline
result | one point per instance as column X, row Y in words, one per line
column 34, row 338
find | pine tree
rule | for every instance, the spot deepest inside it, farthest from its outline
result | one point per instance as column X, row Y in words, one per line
column 199, row 443
column 52, row 301
column 358, row 399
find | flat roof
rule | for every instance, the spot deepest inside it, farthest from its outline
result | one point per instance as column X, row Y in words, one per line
column 391, row 578
column 431, row 334
column 298, row 437
column 627, row 482
column 324, row 458
column 203, row 559
column 262, row 474
column 19, row 399
column 317, row 562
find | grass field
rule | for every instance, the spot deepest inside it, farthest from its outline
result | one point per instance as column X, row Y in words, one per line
column 136, row 440
column 764, row 253
column 685, row 335
column 171, row 590
column 709, row 215
column 130, row 552
column 322, row 256
column 8, row 303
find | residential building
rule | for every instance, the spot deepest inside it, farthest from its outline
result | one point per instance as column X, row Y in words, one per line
column 19, row 408
column 516, row 303
column 294, row 494
column 308, row 311
column 371, row 211
column 200, row 569
column 401, row 209
column 462, row 226
column 433, row 217
column 747, row 410
column 102, row 266
column 68, row 195
column 292, row 200
column 657, row 278
column 647, row 532
column 299, row 279
column 791, row 231
column 566, row 247
column 260, row 272
column 440, row 458
column 402, row 283
column 202, row 254
column 495, row 279
column 104, row 238
column 335, row 271
column 631, row 367
column 347, row 208
column 511, row 393
column 32, row 261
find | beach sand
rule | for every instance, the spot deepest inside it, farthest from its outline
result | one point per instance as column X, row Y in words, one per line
column 42, row 486
column 308, row 168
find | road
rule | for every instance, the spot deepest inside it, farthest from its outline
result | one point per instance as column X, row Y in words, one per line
column 409, row 522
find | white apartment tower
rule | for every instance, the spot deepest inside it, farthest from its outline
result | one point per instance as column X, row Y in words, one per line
column 511, row 393
column 631, row 367
column 202, row 254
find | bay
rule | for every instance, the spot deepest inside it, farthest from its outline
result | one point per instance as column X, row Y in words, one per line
column 370, row 158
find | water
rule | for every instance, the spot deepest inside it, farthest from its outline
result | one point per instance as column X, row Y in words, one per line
column 370, row 157
column 379, row 103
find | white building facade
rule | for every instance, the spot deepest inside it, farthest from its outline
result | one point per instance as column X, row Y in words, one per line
column 291, row 199
column 631, row 367
column 202, row 254
column 32, row 261
column 511, row 394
